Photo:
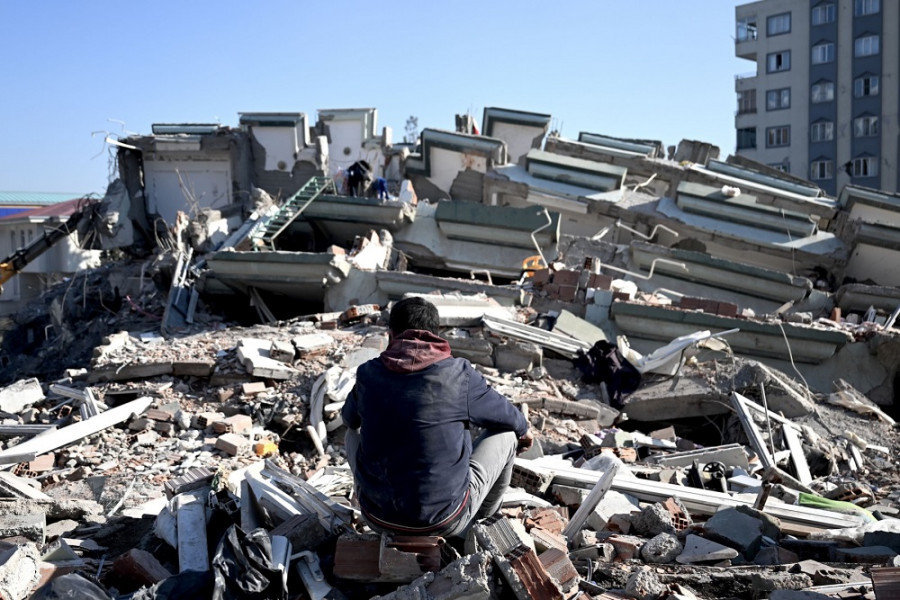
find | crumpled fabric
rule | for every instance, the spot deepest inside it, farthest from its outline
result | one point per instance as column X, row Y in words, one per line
column 244, row 569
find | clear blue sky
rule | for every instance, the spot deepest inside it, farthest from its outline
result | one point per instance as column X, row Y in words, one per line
column 660, row 69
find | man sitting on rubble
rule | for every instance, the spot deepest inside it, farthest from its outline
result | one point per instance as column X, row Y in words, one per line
column 417, row 471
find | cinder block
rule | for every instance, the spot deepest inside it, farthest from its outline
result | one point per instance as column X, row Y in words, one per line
column 282, row 351
column 233, row 444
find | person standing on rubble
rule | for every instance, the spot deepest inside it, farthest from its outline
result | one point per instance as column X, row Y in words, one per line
column 416, row 468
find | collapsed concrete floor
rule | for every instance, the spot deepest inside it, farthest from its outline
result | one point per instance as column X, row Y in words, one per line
column 159, row 445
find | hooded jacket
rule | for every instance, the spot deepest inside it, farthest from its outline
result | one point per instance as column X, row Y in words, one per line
column 414, row 404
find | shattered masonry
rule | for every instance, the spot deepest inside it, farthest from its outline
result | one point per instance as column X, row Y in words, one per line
column 170, row 414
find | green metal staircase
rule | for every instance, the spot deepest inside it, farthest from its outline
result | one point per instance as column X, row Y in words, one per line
column 292, row 208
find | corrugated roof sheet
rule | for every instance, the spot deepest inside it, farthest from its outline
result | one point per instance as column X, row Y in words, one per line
column 36, row 198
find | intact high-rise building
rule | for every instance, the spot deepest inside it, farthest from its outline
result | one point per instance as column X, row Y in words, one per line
column 822, row 102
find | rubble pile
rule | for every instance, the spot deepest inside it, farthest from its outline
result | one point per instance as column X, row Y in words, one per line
column 211, row 464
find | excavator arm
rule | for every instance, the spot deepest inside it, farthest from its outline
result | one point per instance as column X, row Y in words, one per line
column 18, row 260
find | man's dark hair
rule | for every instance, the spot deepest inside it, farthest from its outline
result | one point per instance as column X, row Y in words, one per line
column 413, row 313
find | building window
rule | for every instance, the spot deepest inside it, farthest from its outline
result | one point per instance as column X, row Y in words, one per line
column 867, row 85
column 784, row 166
column 865, row 126
column 822, row 91
column 866, row 45
column 746, row 29
column 778, row 61
column 746, row 138
column 823, row 53
column 821, row 131
column 866, row 7
column 778, row 24
column 746, row 102
column 778, row 136
column 865, row 166
column 822, row 14
column 778, row 99
column 821, row 169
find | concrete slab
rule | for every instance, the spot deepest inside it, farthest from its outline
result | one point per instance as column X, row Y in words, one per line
column 738, row 530
column 16, row 397
column 254, row 355
column 698, row 549
column 680, row 398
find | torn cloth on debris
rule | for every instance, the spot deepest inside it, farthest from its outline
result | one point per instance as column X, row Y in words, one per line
column 604, row 363
column 244, row 569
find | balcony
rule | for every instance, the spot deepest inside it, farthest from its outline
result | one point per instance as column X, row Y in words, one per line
column 745, row 81
column 746, row 35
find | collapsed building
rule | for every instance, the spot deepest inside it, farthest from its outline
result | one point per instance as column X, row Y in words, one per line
column 741, row 297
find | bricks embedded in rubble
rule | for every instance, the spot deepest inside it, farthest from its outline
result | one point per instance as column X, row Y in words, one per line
column 233, row 444
column 156, row 414
column 559, row 566
column 205, row 419
column 193, row 368
column 254, row 355
column 141, row 567
column 233, row 424
column 282, row 351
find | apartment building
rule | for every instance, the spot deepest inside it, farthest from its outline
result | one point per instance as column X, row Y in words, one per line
column 822, row 102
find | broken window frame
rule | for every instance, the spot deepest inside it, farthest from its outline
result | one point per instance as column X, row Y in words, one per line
column 746, row 29
column 865, row 126
column 778, row 62
column 746, row 102
column 865, row 166
column 821, row 91
column 866, row 85
column 821, row 169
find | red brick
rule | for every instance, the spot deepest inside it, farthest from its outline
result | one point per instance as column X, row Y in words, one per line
column 600, row 281
column 567, row 293
column 566, row 277
column 139, row 566
column 626, row 546
column 727, row 309
column 541, row 277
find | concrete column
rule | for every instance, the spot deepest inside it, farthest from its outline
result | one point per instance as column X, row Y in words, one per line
column 889, row 88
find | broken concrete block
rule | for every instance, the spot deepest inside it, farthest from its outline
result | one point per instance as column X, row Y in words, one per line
column 304, row 532
column 467, row 578
column 18, row 396
column 19, row 571
column 698, row 550
column 644, row 584
column 613, row 503
column 193, row 368
column 513, row 356
column 891, row 539
column 129, row 371
column 141, row 567
column 29, row 526
column 740, row 531
column 576, row 327
column 653, row 520
column 627, row 546
column 233, row 444
column 312, row 343
column 254, row 355
column 251, row 388
column 661, row 549
column 282, row 351
column 557, row 563
column 234, row 424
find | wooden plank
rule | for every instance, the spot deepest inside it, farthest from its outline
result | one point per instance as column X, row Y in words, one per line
column 753, row 434
column 190, row 515
column 795, row 519
column 590, row 503
column 76, row 431
column 801, row 467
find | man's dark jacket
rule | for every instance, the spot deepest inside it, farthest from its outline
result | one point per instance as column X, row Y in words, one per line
column 414, row 403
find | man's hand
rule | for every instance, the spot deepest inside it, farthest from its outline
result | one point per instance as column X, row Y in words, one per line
column 525, row 442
